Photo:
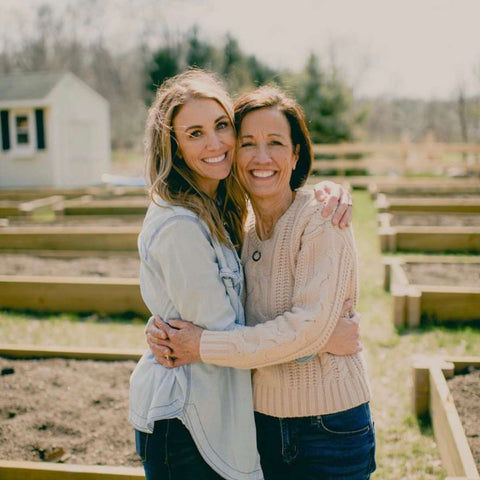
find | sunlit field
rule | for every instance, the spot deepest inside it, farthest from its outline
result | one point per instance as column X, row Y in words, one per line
column 406, row 449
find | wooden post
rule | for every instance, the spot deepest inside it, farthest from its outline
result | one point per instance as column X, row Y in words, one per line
column 414, row 297
column 399, row 306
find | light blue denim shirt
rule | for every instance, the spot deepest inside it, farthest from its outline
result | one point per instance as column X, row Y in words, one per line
column 185, row 273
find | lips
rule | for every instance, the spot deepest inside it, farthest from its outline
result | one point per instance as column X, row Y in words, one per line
column 262, row 173
column 213, row 160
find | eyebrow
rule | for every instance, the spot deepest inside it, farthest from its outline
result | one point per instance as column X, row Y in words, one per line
column 268, row 134
column 221, row 117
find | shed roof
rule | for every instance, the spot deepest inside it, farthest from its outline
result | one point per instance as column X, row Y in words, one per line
column 28, row 86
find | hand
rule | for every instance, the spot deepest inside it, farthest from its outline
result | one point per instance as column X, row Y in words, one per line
column 174, row 344
column 336, row 198
column 345, row 339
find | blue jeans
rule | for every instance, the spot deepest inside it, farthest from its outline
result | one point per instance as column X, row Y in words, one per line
column 169, row 453
column 338, row 446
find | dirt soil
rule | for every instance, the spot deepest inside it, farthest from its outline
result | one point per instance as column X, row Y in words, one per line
column 455, row 220
column 101, row 266
column 461, row 274
column 466, row 394
column 72, row 411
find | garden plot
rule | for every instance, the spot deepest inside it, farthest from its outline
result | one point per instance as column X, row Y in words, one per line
column 439, row 289
column 448, row 389
column 71, row 282
column 88, row 205
column 70, row 237
column 417, row 187
column 74, row 220
column 463, row 203
column 63, row 415
column 429, row 232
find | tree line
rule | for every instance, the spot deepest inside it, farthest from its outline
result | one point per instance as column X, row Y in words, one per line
column 128, row 80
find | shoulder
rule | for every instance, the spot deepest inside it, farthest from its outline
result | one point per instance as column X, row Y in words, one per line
column 310, row 223
column 171, row 222
column 309, row 211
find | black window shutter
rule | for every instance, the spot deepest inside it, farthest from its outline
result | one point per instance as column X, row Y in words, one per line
column 5, row 130
column 39, row 122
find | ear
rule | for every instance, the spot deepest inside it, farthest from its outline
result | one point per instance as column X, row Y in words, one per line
column 296, row 156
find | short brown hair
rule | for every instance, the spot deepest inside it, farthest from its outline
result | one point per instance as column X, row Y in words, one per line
column 272, row 97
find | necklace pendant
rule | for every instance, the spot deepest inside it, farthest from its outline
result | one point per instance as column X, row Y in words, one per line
column 256, row 256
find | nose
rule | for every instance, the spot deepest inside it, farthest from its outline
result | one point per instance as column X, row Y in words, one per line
column 214, row 142
column 262, row 154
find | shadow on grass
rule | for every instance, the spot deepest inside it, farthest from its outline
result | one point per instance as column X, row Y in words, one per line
column 425, row 424
column 429, row 325
column 92, row 317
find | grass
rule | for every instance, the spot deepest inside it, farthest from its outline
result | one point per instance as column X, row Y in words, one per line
column 406, row 448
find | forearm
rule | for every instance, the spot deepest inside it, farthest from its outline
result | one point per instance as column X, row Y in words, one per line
column 303, row 331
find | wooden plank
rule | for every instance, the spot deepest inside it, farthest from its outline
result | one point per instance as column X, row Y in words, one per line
column 74, row 253
column 40, row 204
column 72, row 294
column 413, row 305
column 421, row 365
column 430, row 204
column 436, row 239
column 416, row 187
column 463, row 362
column 32, row 351
column 17, row 470
column 456, row 455
column 450, row 303
column 425, row 258
column 70, row 238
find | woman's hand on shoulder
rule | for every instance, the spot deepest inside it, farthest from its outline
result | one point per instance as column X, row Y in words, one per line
column 336, row 199
column 175, row 343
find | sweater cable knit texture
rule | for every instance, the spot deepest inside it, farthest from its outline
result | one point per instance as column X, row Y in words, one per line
column 295, row 294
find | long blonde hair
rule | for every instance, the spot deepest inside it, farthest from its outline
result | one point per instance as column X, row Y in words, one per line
column 168, row 174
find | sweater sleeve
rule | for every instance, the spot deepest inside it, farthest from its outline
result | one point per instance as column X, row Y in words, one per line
column 182, row 254
column 325, row 275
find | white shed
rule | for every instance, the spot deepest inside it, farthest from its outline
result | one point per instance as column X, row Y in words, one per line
column 55, row 131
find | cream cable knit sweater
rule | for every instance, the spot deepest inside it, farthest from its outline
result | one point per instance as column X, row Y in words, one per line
column 295, row 293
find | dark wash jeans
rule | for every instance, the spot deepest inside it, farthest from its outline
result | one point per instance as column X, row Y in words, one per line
column 169, row 453
column 338, row 446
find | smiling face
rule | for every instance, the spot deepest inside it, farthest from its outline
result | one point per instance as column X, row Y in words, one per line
column 266, row 155
column 206, row 141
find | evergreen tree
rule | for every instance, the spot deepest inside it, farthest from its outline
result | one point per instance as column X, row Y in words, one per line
column 326, row 102
column 199, row 53
column 165, row 64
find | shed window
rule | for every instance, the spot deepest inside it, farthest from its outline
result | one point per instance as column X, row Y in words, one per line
column 22, row 129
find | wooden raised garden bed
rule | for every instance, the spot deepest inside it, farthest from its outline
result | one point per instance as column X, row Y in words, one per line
column 49, row 469
column 88, row 205
column 460, row 204
column 440, row 289
column 69, row 282
column 431, row 394
column 429, row 232
column 74, row 221
column 72, row 294
column 423, row 186
column 69, row 238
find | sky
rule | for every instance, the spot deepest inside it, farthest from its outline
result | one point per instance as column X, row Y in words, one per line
column 404, row 48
